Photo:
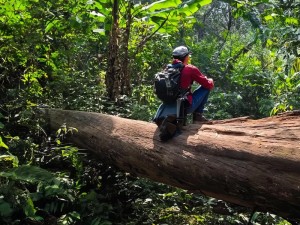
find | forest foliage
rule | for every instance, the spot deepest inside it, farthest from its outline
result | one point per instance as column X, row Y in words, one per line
column 100, row 56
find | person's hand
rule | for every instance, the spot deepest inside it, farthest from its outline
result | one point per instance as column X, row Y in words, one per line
column 212, row 82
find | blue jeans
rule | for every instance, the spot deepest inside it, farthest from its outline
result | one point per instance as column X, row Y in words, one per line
column 200, row 96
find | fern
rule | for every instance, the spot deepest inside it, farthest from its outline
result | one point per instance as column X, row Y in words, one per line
column 31, row 174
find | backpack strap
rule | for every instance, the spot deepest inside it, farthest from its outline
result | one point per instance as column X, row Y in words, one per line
column 179, row 66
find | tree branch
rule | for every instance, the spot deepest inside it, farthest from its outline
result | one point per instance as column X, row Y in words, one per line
column 147, row 38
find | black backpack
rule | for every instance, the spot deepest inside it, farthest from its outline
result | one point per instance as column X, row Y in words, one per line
column 167, row 83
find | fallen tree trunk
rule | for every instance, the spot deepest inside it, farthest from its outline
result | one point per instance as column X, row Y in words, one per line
column 253, row 163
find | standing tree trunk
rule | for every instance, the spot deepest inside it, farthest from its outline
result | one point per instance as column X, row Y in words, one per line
column 117, row 75
column 112, row 78
column 125, row 73
column 253, row 163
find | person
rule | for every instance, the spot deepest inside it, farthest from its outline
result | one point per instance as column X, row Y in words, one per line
column 189, row 74
column 196, row 99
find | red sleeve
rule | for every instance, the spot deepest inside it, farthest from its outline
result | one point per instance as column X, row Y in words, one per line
column 200, row 78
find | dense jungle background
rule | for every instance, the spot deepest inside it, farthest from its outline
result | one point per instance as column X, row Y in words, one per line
column 100, row 56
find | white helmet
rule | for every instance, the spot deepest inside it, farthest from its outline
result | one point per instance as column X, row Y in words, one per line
column 181, row 51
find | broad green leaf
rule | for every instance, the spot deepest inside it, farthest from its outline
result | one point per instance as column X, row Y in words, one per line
column 5, row 209
column 162, row 4
column 52, row 190
column 101, row 8
column 1, row 125
column 189, row 8
column 205, row 2
column 166, row 29
column 158, row 19
column 167, row 13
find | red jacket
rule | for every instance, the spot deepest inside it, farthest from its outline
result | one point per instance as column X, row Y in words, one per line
column 191, row 73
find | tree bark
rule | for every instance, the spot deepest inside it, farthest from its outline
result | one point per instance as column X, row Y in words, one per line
column 124, row 54
column 253, row 163
column 112, row 78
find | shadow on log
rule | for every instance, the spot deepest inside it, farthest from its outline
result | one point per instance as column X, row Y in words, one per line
column 253, row 163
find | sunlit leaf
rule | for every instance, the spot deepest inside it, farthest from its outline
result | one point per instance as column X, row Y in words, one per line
column 55, row 54
column 189, row 8
column 291, row 20
column 10, row 158
column 50, row 25
column 100, row 16
column 205, row 2
column 268, row 17
column 162, row 4
column 269, row 43
column 2, row 144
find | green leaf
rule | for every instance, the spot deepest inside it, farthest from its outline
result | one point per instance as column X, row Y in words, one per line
column 100, row 16
column 31, row 174
column 157, row 19
column 269, row 42
column 162, row 4
column 50, row 25
column 205, row 2
column 75, row 215
column 52, row 190
column 2, row 144
column 5, row 209
column 14, row 159
column 29, row 209
column 54, row 54
column 270, row 17
column 291, row 20
column 189, row 8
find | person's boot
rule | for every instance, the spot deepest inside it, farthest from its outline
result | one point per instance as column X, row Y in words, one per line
column 168, row 128
column 199, row 118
